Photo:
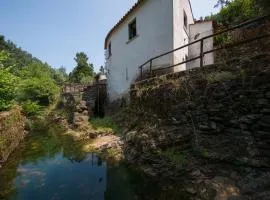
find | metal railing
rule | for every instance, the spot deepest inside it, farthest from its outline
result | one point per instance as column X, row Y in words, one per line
column 202, row 53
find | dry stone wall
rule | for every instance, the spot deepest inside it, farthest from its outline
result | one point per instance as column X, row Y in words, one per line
column 11, row 132
column 225, row 109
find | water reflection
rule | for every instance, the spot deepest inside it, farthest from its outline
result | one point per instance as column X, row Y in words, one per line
column 61, row 178
column 49, row 165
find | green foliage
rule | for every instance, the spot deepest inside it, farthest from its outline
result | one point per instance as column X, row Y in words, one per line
column 102, row 70
column 263, row 6
column 37, row 85
column 35, row 70
column 105, row 124
column 31, row 108
column 201, row 152
column 177, row 157
column 43, row 90
column 83, row 72
column 2, row 141
column 60, row 76
column 17, row 57
column 8, row 84
column 237, row 11
column 26, row 79
column 87, row 79
column 219, row 76
column 221, row 3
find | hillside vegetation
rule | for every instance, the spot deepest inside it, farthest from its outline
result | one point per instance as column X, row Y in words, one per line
column 25, row 80
column 236, row 11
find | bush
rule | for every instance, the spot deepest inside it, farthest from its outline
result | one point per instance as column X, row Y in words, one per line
column 43, row 91
column 31, row 108
column 237, row 11
column 8, row 83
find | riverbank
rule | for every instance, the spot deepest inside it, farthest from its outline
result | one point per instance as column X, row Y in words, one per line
column 12, row 132
column 97, row 135
column 49, row 164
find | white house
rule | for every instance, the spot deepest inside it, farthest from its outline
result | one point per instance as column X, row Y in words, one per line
column 148, row 29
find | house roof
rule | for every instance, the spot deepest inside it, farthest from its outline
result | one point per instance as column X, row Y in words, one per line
column 126, row 16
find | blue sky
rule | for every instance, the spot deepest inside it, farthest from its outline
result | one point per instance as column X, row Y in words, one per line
column 54, row 30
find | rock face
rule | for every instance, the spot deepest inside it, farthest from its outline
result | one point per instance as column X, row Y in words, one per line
column 80, row 126
column 81, row 115
column 108, row 146
column 217, row 116
column 104, row 143
column 11, row 132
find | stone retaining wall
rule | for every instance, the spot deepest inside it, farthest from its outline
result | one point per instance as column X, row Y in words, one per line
column 224, row 109
column 11, row 132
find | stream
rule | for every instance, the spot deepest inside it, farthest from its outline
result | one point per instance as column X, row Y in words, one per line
column 49, row 165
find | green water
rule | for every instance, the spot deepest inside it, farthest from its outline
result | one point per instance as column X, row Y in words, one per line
column 51, row 166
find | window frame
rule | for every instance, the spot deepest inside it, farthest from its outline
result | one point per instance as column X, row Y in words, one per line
column 110, row 49
column 131, row 32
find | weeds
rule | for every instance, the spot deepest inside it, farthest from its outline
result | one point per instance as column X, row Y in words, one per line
column 177, row 157
column 105, row 124
column 2, row 140
column 220, row 76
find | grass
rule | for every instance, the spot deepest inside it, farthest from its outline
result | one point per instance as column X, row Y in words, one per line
column 220, row 76
column 2, row 140
column 111, row 154
column 177, row 157
column 105, row 124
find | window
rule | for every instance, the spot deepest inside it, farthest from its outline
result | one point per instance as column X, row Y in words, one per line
column 110, row 49
column 185, row 20
column 132, row 30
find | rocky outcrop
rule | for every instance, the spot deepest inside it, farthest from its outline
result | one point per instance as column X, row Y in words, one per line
column 81, row 115
column 103, row 142
column 215, row 120
column 11, row 132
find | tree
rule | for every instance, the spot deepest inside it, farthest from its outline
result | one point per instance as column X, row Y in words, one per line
column 102, row 70
column 263, row 6
column 8, row 84
column 221, row 3
column 63, row 70
column 237, row 11
column 60, row 75
column 25, row 80
column 83, row 70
